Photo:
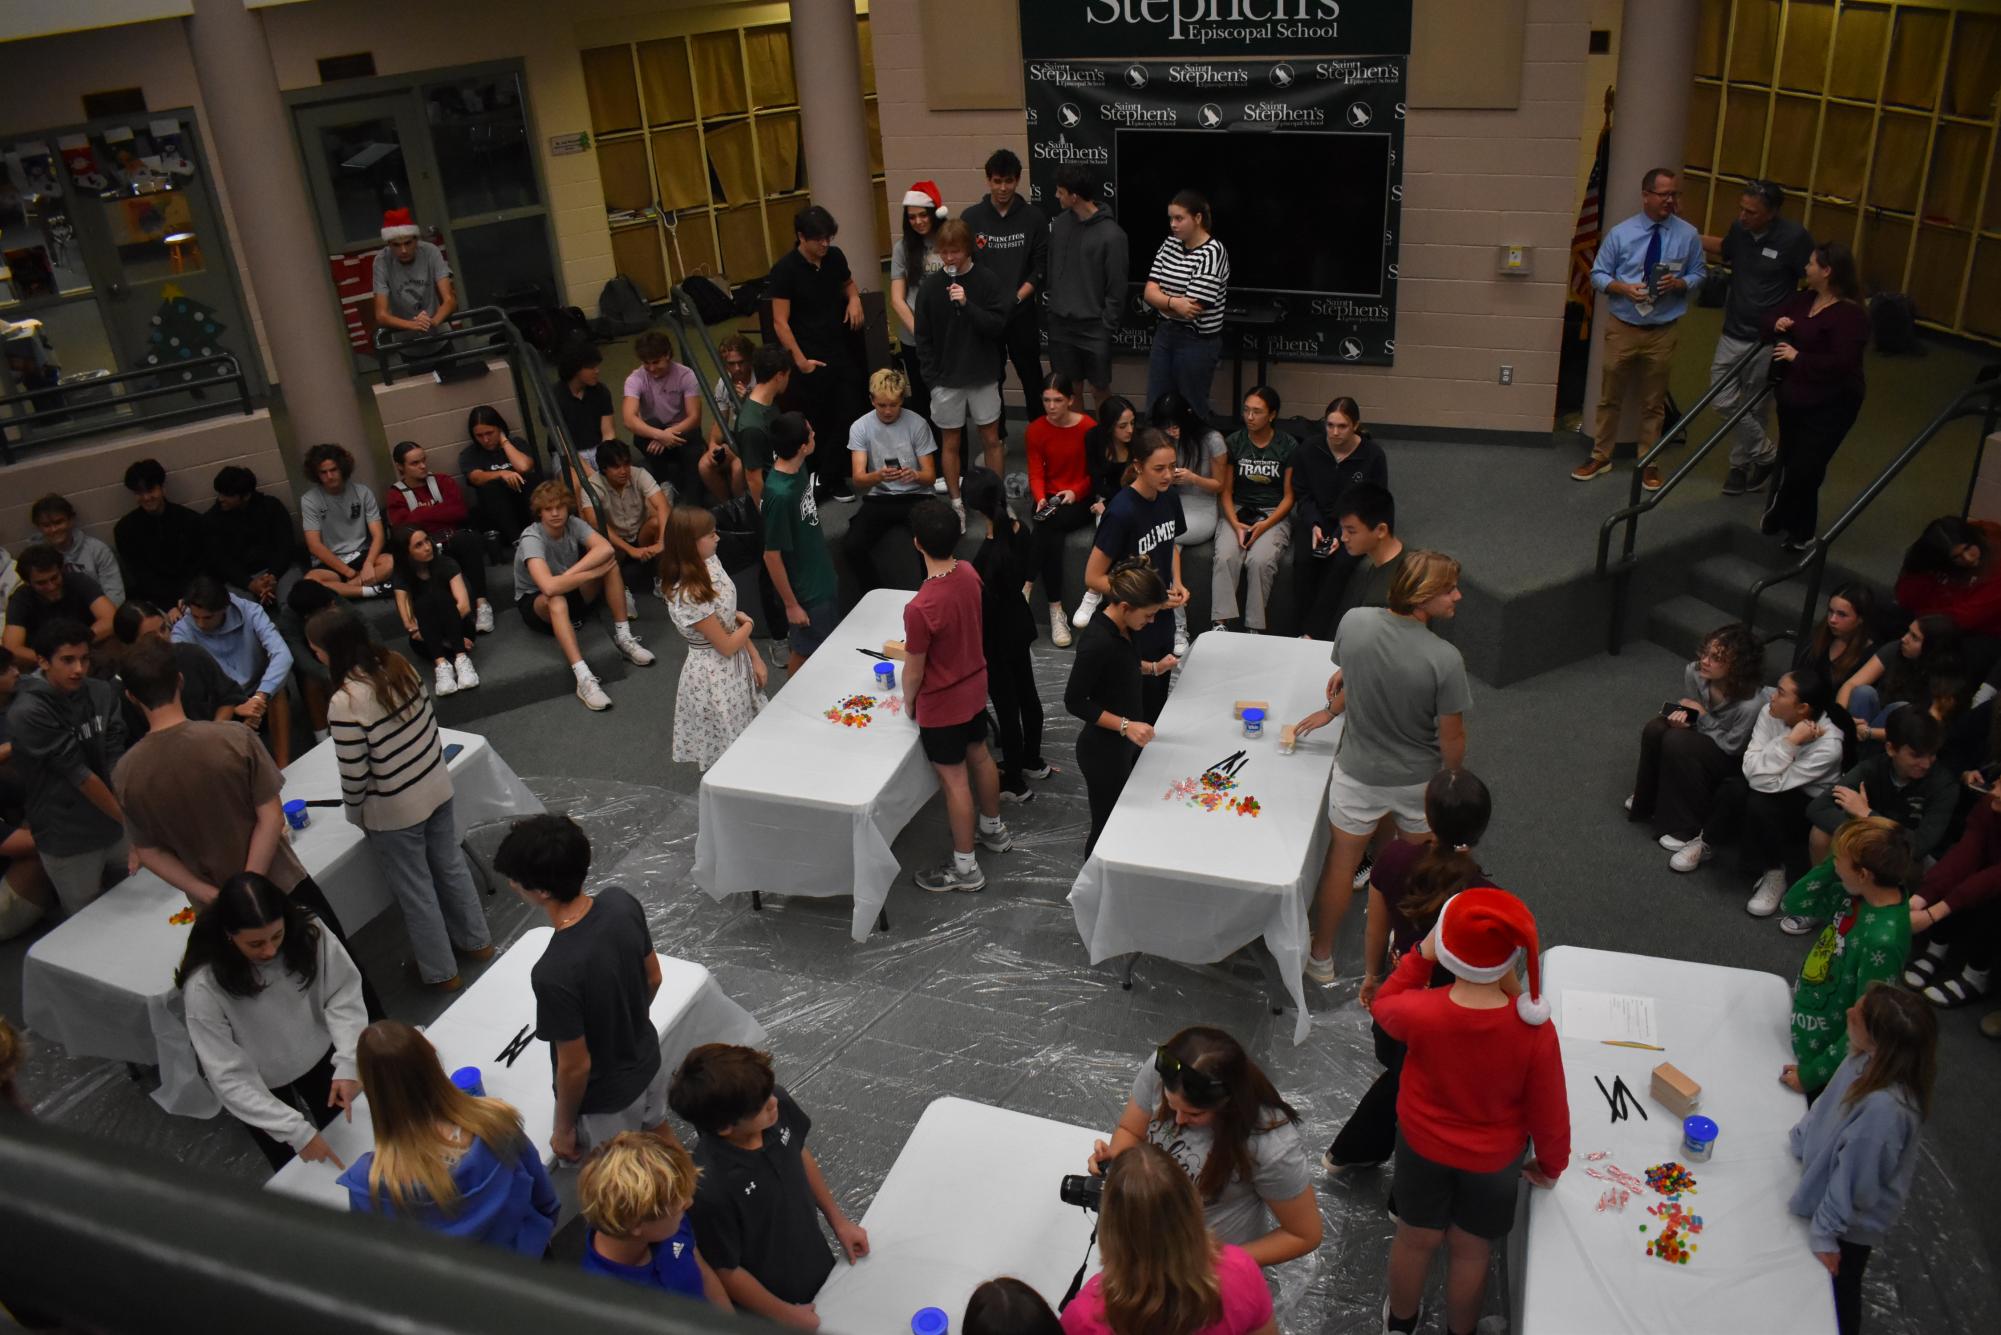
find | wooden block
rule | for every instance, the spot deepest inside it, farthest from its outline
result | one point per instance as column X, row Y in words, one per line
column 1242, row 705
column 894, row 648
column 1673, row 1090
column 1288, row 737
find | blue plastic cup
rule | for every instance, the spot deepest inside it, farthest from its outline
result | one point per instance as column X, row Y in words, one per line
column 1698, row 1138
column 930, row 1321
column 885, row 680
column 296, row 814
column 468, row 1081
column 1254, row 722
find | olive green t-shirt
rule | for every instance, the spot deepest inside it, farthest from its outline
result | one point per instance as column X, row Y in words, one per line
column 1258, row 475
column 753, row 433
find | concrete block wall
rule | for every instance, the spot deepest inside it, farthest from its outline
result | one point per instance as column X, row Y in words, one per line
column 1473, row 181
column 434, row 415
column 92, row 473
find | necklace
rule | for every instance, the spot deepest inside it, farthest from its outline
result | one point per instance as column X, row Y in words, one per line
column 946, row 571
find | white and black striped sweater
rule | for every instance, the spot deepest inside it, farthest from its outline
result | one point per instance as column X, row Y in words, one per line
column 392, row 770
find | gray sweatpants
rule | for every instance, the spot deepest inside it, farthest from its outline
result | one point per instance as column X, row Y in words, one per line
column 1751, row 442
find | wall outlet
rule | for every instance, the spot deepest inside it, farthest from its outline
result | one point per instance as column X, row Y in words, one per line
column 1507, row 375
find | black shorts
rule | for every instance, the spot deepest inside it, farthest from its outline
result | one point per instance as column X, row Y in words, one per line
column 526, row 602
column 948, row 745
column 1433, row 1195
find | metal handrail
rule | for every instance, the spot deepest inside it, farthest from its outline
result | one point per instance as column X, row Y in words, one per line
column 231, row 375
column 393, row 345
column 1983, row 395
column 1637, row 506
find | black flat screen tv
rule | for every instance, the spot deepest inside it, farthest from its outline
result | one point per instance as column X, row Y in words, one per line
column 1300, row 211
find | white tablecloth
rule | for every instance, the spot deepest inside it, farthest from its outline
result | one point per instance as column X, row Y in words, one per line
column 688, row 1010
column 102, row 983
column 1753, row 1274
column 1194, row 885
column 801, row 805
column 972, row 1195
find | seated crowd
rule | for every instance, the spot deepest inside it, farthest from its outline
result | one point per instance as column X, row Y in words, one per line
column 1859, row 789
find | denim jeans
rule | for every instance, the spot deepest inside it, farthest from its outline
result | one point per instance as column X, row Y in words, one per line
column 426, row 870
column 1183, row 361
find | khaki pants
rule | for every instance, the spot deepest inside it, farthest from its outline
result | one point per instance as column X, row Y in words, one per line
column 1642, row 354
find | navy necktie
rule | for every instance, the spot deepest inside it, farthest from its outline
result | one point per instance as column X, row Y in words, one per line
column 1653, row 258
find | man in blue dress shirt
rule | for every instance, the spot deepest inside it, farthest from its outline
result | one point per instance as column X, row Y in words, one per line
column 1645, row 268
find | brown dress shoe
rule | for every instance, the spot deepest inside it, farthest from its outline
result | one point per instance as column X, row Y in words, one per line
column 482, row 954
column 1650, row 478
column 1589, row 469
column 451, row 984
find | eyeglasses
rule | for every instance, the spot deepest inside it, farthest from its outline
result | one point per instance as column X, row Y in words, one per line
column 1184, row 1079
column 1665, row 194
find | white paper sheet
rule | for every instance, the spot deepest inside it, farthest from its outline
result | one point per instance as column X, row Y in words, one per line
column 1609, row 1017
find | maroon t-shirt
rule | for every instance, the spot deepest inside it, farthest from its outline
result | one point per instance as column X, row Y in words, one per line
column 943, row 623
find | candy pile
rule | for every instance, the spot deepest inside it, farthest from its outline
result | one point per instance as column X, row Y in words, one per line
column 855, row 710
column 1672, row 1244
column 183, row 918
column 1615, row 1198
column 1212, row 792
column 1617, row 1176
column 1671, row 1179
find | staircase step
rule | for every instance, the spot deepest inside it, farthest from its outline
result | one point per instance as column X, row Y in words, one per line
column 1679, row 624
column 1724, row 580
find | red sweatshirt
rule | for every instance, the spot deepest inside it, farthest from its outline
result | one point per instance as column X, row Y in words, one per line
column 1056, row 459
column 437, row 517
column 1975, row 606
column 1476, row 1084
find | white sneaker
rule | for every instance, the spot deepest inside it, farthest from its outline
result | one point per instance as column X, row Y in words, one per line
column 1672, row 844
column 939, row 486
column 375, row 590
column 482, row 618
column 635, row 653
column 631, row 606
column 1059, row 626
column 468, row 678
column 445, row 683
column 1799, row 924
column 1769, row 890
column 959, row 509
column 1629, row 804
column 592, row 694
column 1181, row 632
column 1692, row 855
column 1364, row 872
column 1319, row 970
column 1086, row 610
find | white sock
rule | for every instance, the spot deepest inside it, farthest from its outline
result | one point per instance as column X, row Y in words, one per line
column 964, row 863
column 621, row 630
column 582, row 669
column 989, row 824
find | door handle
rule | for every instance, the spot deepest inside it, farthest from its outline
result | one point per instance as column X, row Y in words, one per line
column 115, row 289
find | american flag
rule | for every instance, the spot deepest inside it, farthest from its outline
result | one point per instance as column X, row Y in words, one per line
column 1584, row 241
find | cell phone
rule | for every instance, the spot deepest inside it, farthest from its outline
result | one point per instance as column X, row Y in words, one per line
column 1673, row 707
column 1325, row 548
column 1988, row 774
column 452, row 751
column 893, row 464
column 1048, row 508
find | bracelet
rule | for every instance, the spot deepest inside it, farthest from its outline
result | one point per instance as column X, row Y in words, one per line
column 1122, row 726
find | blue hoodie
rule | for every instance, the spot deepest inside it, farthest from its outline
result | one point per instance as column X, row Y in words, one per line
column 509, row 1205
column 1856, row 1161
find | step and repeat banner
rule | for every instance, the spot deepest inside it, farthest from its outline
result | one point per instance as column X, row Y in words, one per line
column 1287, row 114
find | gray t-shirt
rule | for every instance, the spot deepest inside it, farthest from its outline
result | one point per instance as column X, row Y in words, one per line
column 1202, row 460
column 412, row 287
column 899, row 268
column 341, row 521
column 1400, row 679
column 1278, row 1164
column 560, row 553
column 905, row 440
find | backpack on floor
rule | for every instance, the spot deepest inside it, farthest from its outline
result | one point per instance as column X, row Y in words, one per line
column 1893, row 319
column 623, row 309
column 712, row 301
column 548, row 329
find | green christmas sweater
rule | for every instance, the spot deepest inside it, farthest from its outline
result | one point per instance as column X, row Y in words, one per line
column 1860, row 944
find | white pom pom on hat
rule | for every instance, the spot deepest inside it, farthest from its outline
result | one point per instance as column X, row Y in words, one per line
column 926, row 195
column 1481, row 933
column 398, row 225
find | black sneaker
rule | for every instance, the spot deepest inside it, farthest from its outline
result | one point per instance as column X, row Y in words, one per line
column 1735, row 482
column 1017, row 791
column 1760, row 474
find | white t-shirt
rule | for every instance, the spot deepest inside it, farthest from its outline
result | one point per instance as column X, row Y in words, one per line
column 1278, row 1164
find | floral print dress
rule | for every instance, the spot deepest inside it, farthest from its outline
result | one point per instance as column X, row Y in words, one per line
column 718, row 696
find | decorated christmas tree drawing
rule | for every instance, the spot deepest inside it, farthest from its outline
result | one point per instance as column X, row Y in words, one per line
column 183, row 328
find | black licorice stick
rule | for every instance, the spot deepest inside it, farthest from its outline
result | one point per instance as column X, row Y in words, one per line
column 519, row 1034
column 1619, row 1082
column 1609, row 1100
column 873, row 654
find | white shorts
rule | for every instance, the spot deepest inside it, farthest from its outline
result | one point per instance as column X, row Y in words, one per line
column 642, row 1114
column 1357, row 808
column 950, row 407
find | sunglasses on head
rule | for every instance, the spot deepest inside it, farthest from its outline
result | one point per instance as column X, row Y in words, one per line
column 1185, row 1080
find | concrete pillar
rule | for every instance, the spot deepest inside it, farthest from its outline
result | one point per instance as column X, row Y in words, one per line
column 826, row 65
column 290, row 280
column 1649, row 129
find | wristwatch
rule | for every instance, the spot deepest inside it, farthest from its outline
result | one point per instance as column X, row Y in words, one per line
column 1122, row 726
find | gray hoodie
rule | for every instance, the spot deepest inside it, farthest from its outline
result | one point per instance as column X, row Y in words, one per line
column 1087, row 269
column 60, row 740
column 1856, row 1162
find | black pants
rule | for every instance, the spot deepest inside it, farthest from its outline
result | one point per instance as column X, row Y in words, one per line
column 308, row 893
column 677, row 467
column 831, row 399
column 1319, row 583
column 1971, row 936
column 1808, row 438
column 501, row 510
column 469, row 550
column 1017, row 709
column 441, row 631
column 1774, row 831
column 1105, row 760
column 1049, row 542
column 1848, row 1288
column 1153, row 695
column 1369, row 1136
column 875, row 516
column 308, row 1094
column 1679, row 772
column 1021, row 344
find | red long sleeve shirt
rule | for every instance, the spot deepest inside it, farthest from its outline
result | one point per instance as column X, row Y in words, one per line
column 437, row 517
column 1056, row 459
column 1476, row 1083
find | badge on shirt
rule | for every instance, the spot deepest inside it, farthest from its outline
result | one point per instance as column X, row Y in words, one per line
column 1769, row 253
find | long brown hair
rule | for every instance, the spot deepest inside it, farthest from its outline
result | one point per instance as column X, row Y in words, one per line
column 1160, row 1261
column 352, row 652
column 1457, row 806
column 413, row 1104
column 1862, row 599
column 1905, row 1033
column 1249, row 1105
column 683, row 572
column 1738, row 645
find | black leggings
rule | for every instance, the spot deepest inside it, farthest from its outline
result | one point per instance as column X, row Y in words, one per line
column 441, row 631
column 501, row 510
column 1050, row 533
column 1017, row 709
column 1369, row 1136
column 469, row 550
column 1021, row 343
column 867, row 523
column 308, row 1094
column 1848, row 1288
column 1319, row 583
column 1106, row 760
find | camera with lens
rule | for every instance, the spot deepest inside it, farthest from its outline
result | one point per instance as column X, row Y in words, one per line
column 1082, row 1189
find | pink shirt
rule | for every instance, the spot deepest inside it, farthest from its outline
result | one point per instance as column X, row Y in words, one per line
column 665, row 400
column 1246, row 1300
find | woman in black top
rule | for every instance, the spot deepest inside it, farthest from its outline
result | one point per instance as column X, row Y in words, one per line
column 1108, row 458
column 1005, row 562
column 1104, row 689
column 1321, row 474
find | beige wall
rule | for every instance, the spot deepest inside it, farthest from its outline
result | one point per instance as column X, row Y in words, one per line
column 1600, row 73
column 1473, row 181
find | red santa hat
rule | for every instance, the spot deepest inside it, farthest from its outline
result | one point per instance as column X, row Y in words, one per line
column 398, row 225
column 1481, row 933
column 925, row 195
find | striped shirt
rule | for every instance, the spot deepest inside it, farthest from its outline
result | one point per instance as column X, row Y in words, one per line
column 392, row 770
column 1202, row 274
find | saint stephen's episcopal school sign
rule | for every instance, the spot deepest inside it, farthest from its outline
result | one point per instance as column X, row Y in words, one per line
column 1287, row 114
